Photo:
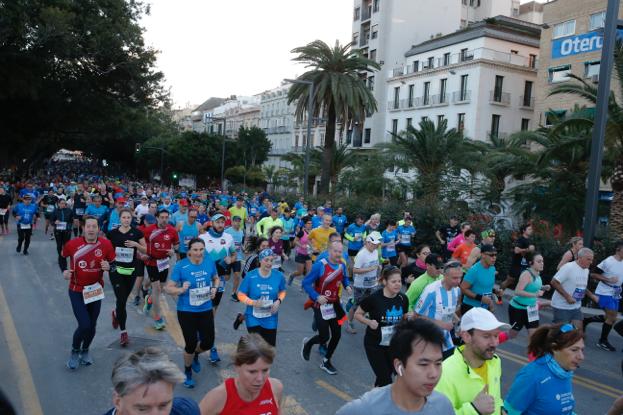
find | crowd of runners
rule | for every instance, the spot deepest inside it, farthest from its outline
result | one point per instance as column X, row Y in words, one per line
column 430, row 332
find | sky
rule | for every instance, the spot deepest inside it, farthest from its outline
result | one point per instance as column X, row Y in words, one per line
column 218, row 48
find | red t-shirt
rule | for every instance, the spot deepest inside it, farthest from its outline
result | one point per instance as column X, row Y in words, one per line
column 159, row 242
column 86, row 259
column 265, row 403
column 330, row 282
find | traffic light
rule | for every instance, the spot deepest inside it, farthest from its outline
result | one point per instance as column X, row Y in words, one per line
column 137, row 147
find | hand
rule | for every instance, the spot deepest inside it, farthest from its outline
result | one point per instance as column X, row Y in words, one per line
column 546, row 287
column 105, row 266
column 349, row 290
column 446, row 325
column 322, row 300
column 67, row 274
column 612, row 280
column 130, row 244
column 410, row 279
column 570, row 300
column 540, row 293
column 171, row 252
column 227, row 260
column 275, row 307
column 373, row 324
column 487, row 300
column 212, row 293
column 185, row 287
column 484, row 403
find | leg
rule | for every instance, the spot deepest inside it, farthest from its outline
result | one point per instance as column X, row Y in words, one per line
column 82, row 317
column 94, row 312
column 122, row 286
column 20, row 238
column 323, row 330
column 377, row 357
column 206, row 331
column 189, row 325
column 611, row 318
column 27, row 235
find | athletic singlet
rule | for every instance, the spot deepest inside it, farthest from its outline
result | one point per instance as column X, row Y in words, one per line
column 301, row 249
column 330, row 282
column 186, row 234
column 264, row 404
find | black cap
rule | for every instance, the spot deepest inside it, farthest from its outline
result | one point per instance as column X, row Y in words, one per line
column 487, row 248
column 434, row 259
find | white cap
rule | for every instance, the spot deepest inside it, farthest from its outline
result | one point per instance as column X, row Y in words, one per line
column 374, row 237
column 481, row 319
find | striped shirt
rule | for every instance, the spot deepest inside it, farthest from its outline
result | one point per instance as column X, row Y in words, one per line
column 437, row 303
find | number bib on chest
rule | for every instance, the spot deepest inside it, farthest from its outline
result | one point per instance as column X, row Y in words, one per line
column 92, row 293
column 387, row 332
column 124, row 255
column 405, row 238
column 616, row 292
column 199, row 296
column 162, row 264
column 533, row 313
column 447, row 314
column 276, row 262
column 79, row 211
column 263, row 309
column 61, row 226
column 579, row 293
column 3, row 212
column 327, row 311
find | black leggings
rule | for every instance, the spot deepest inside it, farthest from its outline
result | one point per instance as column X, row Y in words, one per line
column 87, row 315
column 381, row 363
column 23, row 236
column 4, row 219
column 270, row 335
column 193, row 323
column 122, row 285
column 324, row 327
column 61, row 239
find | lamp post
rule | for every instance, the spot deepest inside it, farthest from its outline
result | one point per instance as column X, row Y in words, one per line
column 310, row 103
column 162, row 151
column 224, row 121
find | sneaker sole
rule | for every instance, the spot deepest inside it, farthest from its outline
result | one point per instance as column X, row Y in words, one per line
column 305, row 340
column 327, row 370
column 605, row 348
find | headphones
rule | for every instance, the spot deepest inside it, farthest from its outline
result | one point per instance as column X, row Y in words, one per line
column 400, row 372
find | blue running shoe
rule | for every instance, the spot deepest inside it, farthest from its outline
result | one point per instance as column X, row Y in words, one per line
column 322, row 349
column 74, row 360
column 214, row 356
column 147, row 305
column 159, row 324
column 85, row 358
column 189, row 382
column 196, row 365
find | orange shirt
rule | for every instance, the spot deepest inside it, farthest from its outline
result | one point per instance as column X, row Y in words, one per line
column 462, row 252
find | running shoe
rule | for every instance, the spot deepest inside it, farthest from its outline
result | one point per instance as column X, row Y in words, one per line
column 51, row 237
column 290, row 279
column 350, row 328
column 18, row 249
column 196, row 365
column 234, row 298
column 238, row 321
column 137, row 301
column 322, row 349
column 85, row 358
column 214, row 357
column 605, row 345
column 147, row 305
column 74, row 360
column 25, row 252
column 115, row 322
column 305, row 349
column 159, row 324
column 189, row 382
column 349, row 305
column 124, row 340
column 328, row 367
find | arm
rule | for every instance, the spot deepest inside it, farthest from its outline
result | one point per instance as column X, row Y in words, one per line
column 524, row 279
column 361, row 317
column 558, row 287
column 424, row 307
column 565, row 258
column 599, row 276
column 453, row 245
column 617, row 407
column 214, row 401
column 473, row 257
column 172, row 289
column 310, row 279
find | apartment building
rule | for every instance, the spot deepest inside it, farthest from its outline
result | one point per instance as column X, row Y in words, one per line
column 384, row 29
column 277, row 120
column 234, row 113
column 571, row 42
column 480, row 79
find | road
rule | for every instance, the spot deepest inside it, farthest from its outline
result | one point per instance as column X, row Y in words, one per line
column 36, row 324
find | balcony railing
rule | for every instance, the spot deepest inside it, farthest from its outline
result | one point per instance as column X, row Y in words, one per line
column 459, row 97
column 440, row 99
column 366, row 14
column 393, row 105
column 364, row 41
column 526, row 102
column 499, row 98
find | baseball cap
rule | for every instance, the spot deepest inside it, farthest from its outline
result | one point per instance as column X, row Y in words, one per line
column 150, row 219
column 236, row 218
column 120, row 200
column 320, row 208
column 481, row 319
column 484, row 248
column 183, row 202
column 434, row 259
column 217, row 217
column 374, row 237
column 488, row 233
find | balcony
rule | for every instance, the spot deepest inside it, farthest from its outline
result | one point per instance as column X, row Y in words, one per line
column 499, row 98
column 364, row 41
column 440, row 99
column 393, row 105
column 398, row 72
column 297, row 149
column 424, row 101
column 461, row 97
column 526, row 102
column 367, row 14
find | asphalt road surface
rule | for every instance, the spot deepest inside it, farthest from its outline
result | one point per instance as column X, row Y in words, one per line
column 36, row 325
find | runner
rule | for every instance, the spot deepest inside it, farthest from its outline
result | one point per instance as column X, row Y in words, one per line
column 302, row 250
column 126, row 241
column 523, row 309
column 276, row 244
column 570, row 285
column 575, row 244
column 180, row 215
column 434, row 265
column 339, row 221
column 319, row 237
column 48, row 205
column 388, row 244
column 472, row 377
column 523, row 245
column 488, row 238
column 62, row 218
column 139, row 289
column 161, row 241
column 187, row 230
column 25, row 214
column 237, row 234
column 96, row 209
column 256, row 245
column 385, row 309
column 253, row 391
column 406, row 233
column 263, row 291
column 458, row 239
column 264, row 225
column 440, row 301
column 80, row 204
column 446, row 234
column 417, row 267
column 289, row 226
column 5, row 208
column 323, row 285
column 90, row 257
column 111, row 220
column 142, row 209
column 462, row 252
column 194, row 281
column 415, row 353
column 355, row 235
column 477, row 286
column 365, row 275
column 544, row 386
column 239, row 210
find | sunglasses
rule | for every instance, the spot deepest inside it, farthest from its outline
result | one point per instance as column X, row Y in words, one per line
column 566, row 328
column 453, row 264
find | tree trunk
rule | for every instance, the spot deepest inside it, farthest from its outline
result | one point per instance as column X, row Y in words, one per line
column 616, row 207
column 327, row 153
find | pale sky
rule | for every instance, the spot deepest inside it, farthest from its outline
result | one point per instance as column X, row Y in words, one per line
column 238, row 47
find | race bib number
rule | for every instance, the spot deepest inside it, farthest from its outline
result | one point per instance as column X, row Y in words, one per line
column 533, row 313
column 24, row 225
column 391, row 247
column 579, row 293
column 263, row 309
column 49, row 209
column 327, row 311
column 357, row 236
column 447, row 315
column 405, row 238
column 369, row 281
column 92, row 293
column 199, row 296
column 162, row 264
column 79, row 211
column 387, row 332
column 277, row 262
column 3, row 212
column 61, row 226
column 616, row 292
column 124, row 255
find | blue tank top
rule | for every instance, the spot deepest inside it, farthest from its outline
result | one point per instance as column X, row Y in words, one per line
column 187, row 233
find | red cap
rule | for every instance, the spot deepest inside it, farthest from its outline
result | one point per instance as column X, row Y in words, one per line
column 184, row 202
column 120, row 200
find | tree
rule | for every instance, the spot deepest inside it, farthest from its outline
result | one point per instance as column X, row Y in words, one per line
column 342, row 157
column 339, row 92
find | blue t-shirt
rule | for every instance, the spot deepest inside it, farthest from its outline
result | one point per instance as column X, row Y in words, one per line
column 257, row 287
column 339, row 221
column 482, row 280
column 288, row 228
column 186, row 234
column 538, row 390
column 356, row 230
column 178, row 216
column 197, row 298
column 389, row 237
column 238, row 236
column 95, row 211
column 405, row 235
column 27, row 213
column 316, row 221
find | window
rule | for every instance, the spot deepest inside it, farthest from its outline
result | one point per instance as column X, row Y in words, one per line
column 424, row 118
column 495, row 125
column 461, row 122
column 463, row 91
column 497, row 90
column 322, row 139
column 376, row 5
column 597, row 20
column 373, row 55
column 416, row 66
column 356, row 38
column 559, row 73
column 514, row 52
column 375, row 32
column 426, row 98
column 371, row 83
column 591, row 69
column 409, row 122
column 527, row 94
column 466, row 55
column 442, row 90
column 357, row 13
column 564, row 29
column 394, row 127
column 411, row 91
column 366, row 135
column 525, row 124
column 296, row 141
column 431, row 63
column 446, row 59
column 532, row 60
column 440, row 119
column 396, row 97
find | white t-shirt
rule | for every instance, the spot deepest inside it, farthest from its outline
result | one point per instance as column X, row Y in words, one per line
column 141, row 210
column 573, row 280
column 611, row 268
column 366, row 259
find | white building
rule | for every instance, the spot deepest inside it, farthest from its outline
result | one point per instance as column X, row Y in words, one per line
column 236, row 112
column 384, row 29
column 197, row 116
column 277, row 120
column 481, row 79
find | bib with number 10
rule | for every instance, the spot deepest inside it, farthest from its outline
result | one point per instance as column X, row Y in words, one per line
column 92, row 293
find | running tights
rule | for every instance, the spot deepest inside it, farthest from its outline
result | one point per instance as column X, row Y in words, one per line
column 270, row 335
column 61, row 239
column 86, row 314
column 381, row 363
column 201, row 322
column 23, row 237
column 122, row 285
column 326, row 328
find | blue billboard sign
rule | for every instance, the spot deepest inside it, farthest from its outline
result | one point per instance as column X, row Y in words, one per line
column 577, row 44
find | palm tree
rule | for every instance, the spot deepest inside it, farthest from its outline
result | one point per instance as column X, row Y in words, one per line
column 297, row 169
column 433, row 151
column 340, row 94
column 614, row 133
column 342, row 157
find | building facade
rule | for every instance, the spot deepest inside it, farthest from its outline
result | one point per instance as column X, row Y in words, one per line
column 480, row 79
column 383, row 30
column 277, row 120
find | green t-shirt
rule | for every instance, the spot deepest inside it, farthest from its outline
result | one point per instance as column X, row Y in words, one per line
column 417, row 286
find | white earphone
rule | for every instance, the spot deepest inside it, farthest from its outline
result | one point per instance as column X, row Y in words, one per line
column 400, row 372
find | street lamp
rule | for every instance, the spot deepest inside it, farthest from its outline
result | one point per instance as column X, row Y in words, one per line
column 224, row 121
column 138, row 147
column 310, row 103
